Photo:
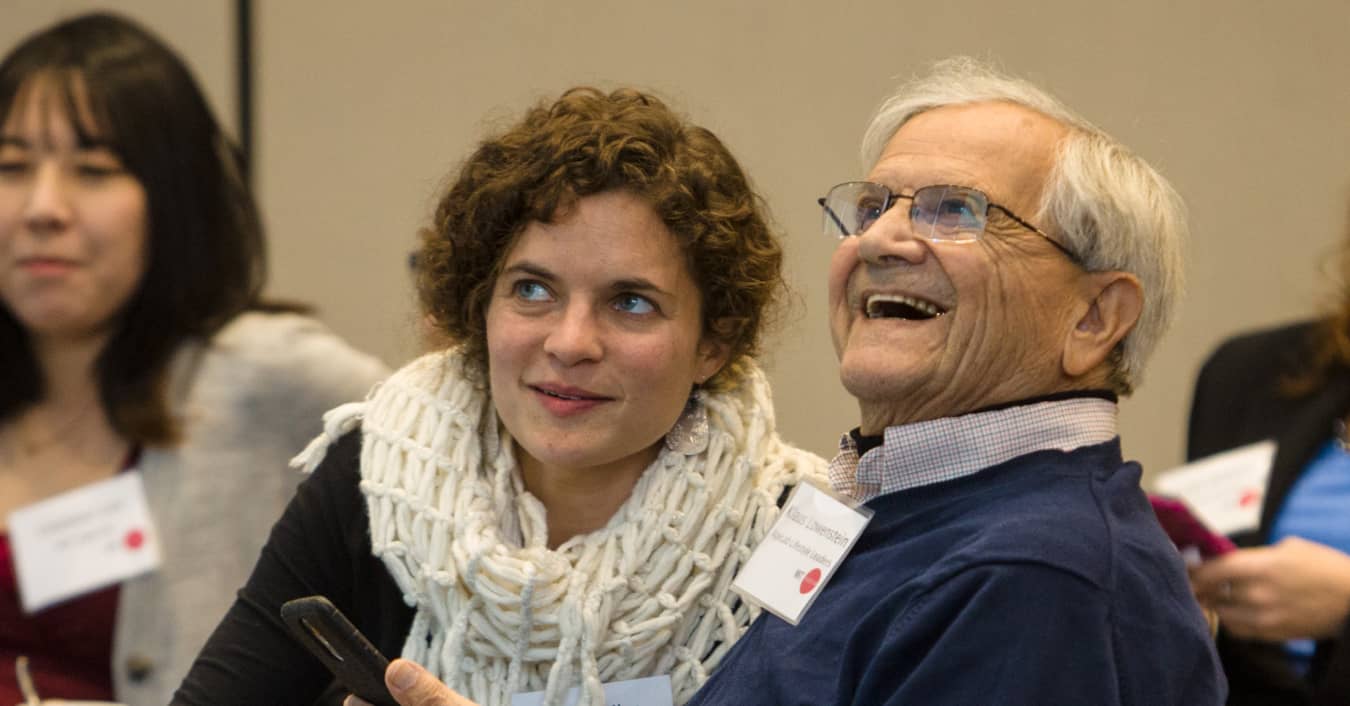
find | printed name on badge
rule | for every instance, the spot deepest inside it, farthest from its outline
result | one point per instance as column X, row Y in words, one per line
column 791, row 566
column 82, row 540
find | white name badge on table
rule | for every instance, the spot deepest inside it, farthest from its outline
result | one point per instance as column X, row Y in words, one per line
column 798, row 556
column 1224, row 490
column 652, row 691
column 82, row 540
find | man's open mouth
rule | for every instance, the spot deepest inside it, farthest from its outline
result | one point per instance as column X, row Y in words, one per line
column 895, row 306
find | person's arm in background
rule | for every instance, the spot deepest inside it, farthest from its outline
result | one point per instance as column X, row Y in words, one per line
column 1290, row 590
column 250, row 398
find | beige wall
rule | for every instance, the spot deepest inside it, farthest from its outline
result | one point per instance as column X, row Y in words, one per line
column 363, row 108
column 201, row 30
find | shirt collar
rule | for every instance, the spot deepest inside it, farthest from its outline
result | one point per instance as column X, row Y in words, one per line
column 937, row 450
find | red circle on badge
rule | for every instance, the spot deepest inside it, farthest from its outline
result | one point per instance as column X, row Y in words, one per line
column 134, row 539
column 810, row 580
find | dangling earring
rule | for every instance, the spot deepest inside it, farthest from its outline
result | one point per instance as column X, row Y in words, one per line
column 689, row 436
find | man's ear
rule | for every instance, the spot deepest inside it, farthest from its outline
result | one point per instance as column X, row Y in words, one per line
column 1115, row 300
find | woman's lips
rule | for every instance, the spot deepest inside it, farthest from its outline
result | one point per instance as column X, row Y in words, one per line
column 565, row 401
column 46, row 266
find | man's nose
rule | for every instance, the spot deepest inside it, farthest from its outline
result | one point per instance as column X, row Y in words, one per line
column 891, row 239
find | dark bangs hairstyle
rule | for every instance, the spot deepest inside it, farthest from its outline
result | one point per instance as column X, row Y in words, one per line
column 118, row 84
column 587, row 142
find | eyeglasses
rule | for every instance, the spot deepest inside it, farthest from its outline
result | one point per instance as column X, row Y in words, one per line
column 940, row 212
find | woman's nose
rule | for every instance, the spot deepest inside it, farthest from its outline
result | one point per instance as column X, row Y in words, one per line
column 576, row 337
column 48, row 207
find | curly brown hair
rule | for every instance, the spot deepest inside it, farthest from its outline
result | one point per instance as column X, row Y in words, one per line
column 587, row 142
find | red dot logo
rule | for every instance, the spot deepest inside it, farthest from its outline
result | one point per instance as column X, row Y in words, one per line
column 134, row 539
column 810, row 580
column 1249, row 497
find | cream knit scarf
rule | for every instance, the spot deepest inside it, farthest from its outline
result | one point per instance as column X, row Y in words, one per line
column 498, row 612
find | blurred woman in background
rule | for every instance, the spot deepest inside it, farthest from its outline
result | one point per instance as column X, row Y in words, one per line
column 1283, row 600
column 133, row 341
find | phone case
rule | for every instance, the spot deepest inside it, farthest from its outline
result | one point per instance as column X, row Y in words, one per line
column 1185, row 530
column 318, row 625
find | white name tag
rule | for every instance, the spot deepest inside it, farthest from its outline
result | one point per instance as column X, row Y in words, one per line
column 82, row 540
column 799, row 555
column 1224, row 490
column 651, row 691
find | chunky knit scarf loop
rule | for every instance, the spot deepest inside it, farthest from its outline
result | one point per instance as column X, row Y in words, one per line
column 497, row 611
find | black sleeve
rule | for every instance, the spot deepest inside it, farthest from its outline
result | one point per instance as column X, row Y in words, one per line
column 1239, row 396
column 321, row 545
column 1209, row 387
column 1333, row 689
column 1231, row 382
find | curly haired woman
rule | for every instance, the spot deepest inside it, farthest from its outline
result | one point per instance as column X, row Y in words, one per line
column 563, row 497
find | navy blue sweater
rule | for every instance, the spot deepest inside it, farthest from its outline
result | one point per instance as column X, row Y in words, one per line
column 1043, row 580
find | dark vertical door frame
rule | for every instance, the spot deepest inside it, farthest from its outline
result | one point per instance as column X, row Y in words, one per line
column 243, row 80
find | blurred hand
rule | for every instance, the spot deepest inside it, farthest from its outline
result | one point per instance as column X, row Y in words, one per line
column 411, row 685
column 1293, row 589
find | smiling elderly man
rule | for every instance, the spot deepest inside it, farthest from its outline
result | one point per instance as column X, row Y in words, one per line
column 1000, row 278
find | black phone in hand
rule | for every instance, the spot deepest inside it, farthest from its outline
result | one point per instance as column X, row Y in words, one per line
column 318, row 625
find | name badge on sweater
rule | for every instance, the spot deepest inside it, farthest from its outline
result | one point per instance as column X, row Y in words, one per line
column 82, row 540
column 652, row 691
column 809, row 541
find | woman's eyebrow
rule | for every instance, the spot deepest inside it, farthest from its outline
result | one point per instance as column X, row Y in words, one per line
column 529, row 268
column 637, row 284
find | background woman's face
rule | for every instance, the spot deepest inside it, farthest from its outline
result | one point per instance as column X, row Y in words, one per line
column 73, row 223
column 594, row 336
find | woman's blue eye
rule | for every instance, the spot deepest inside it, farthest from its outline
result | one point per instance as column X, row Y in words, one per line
column 530, row 291
column 634, row 304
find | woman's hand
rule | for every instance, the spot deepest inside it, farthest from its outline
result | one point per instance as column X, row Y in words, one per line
column 1292, row 589
column 411, row 685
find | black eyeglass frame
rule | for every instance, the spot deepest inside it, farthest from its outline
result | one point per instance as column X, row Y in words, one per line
column 892, row 198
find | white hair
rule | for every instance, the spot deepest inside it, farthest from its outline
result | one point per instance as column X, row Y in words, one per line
column 1113, row 210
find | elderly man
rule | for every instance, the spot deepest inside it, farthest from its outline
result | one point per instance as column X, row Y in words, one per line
column 1000, row 278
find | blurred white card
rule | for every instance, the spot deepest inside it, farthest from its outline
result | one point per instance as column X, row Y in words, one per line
column 82, row 540
column 1224, row 490
column 652, row 691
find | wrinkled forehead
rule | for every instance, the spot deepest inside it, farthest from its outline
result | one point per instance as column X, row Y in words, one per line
column 53, row 108
column 1003, row 149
